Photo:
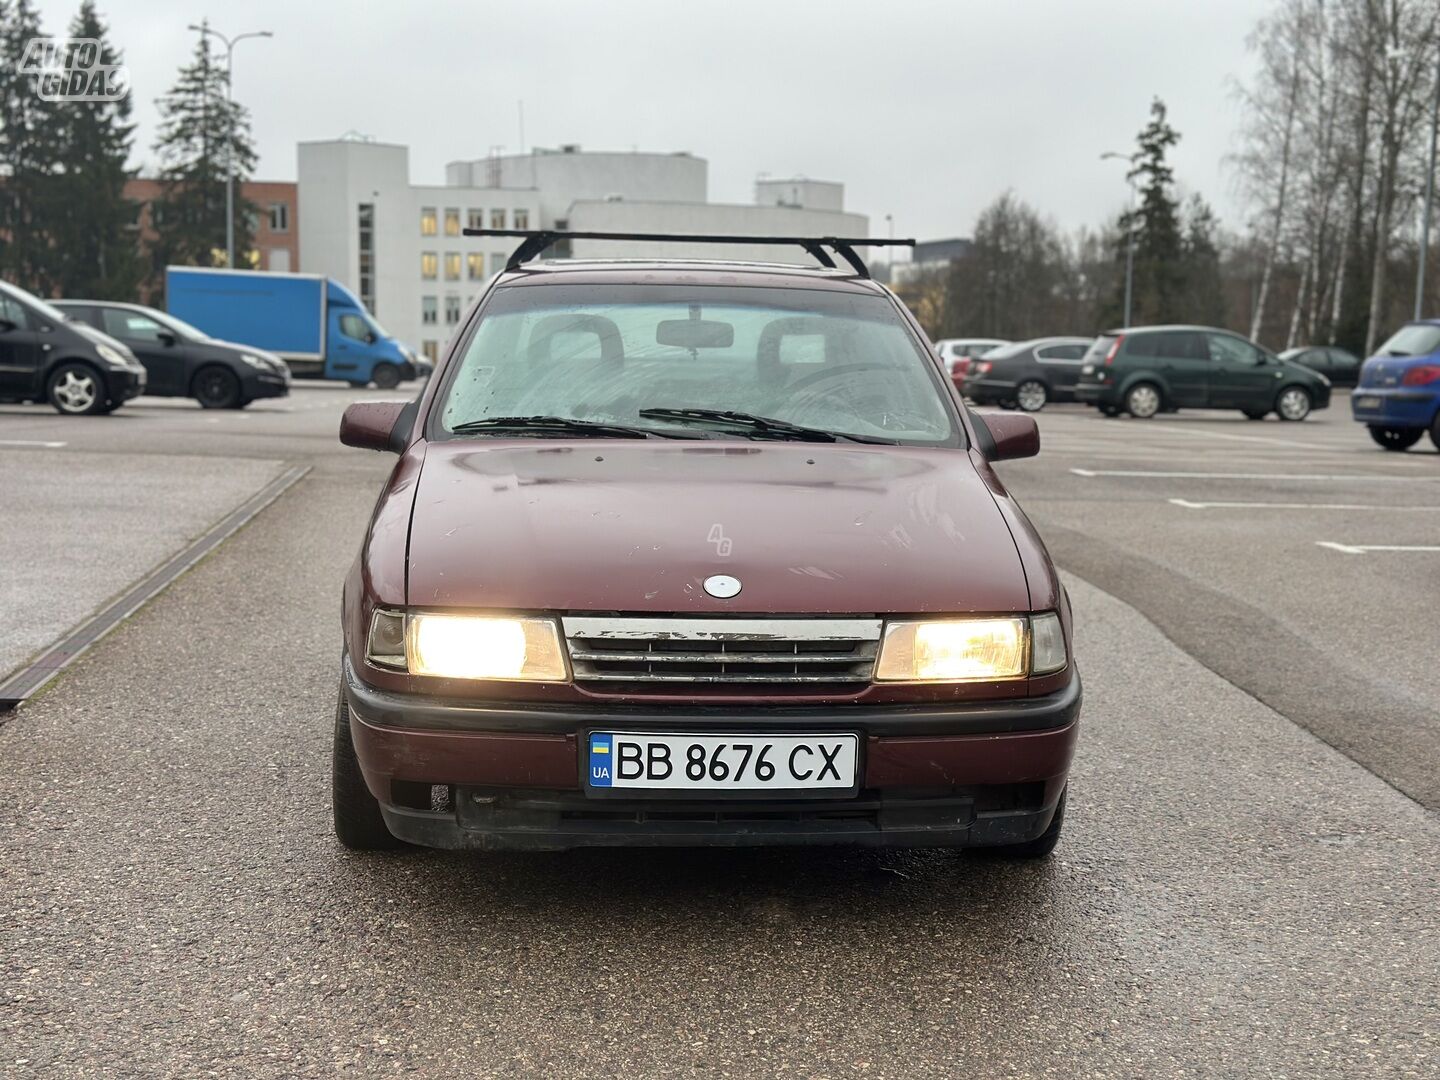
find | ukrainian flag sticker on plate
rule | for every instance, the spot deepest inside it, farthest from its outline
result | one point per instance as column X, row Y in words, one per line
column 601, row 769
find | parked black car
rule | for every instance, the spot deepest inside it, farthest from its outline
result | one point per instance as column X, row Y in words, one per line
column 183, row 361
column 1147, row 369
column 1340, row 367
column 45, row 358
column 1028, row 374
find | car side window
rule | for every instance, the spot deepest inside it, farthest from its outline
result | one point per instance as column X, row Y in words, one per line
column 1225, row 349
column 1051, row 354
column 1177, row 345
column 131, row 326
column 11, row 311
column 1340, row 360
column 353, row 326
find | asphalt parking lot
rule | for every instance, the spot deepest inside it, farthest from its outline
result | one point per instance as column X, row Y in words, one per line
column 1246, row 885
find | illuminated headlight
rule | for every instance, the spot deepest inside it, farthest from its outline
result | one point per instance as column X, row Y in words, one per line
column 468, row 646
column 971, row 650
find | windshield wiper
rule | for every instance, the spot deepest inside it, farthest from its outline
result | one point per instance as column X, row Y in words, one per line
column 1397, row 352
column 762, row 426
column 566, row 425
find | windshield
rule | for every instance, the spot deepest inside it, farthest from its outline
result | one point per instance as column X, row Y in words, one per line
column 1417, row 339
column 825, row 360
column 180, row 326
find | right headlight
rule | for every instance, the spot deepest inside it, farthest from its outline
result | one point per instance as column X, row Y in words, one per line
column 468, row 646
column 971, row 650
column 114, row 356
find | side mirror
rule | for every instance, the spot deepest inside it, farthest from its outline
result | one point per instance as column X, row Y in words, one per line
column 167, row 339
column 378, row 425
column 1014, row 434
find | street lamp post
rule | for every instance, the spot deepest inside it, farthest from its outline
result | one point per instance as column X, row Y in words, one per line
column 230, row 43
column 1130, row 234
column 1429, row 201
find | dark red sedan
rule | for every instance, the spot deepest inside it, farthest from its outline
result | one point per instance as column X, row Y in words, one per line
column 696, row 553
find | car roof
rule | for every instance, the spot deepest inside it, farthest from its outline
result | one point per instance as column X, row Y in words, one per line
column 685, row 272
column 1159, row 327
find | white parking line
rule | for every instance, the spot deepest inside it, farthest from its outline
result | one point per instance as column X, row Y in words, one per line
column 1296, row 506
column 1361, row 549
column 1088, row 473
column 31, row 442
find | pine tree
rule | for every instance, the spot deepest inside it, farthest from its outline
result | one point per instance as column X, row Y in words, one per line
column 28, row 156
column 1204, row 288
column 199, row 129
column 1159, row 249
column 95, row 227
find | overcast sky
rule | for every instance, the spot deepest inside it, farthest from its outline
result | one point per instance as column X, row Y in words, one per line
column 925, row 109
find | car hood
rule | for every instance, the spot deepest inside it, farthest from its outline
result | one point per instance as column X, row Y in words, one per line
column 595, row 525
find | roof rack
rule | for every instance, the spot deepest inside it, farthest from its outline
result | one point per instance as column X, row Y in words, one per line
column 536, row 241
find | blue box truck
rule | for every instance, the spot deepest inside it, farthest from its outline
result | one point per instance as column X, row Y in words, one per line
column 319, row 326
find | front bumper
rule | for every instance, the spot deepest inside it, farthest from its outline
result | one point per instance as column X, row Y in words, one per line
column 1395, row 408
column 265, row 384
column 951, row 776
column 122, row 384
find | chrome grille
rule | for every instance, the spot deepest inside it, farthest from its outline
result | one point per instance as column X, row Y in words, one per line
column 722, row 650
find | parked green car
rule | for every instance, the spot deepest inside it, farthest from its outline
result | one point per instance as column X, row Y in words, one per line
column 1149, row 369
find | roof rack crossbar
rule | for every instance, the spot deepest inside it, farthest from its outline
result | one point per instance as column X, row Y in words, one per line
column 534, row 242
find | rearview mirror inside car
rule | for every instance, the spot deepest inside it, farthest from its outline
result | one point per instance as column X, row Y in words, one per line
column 695, row 334
column 377, row 425
column 1015, row 435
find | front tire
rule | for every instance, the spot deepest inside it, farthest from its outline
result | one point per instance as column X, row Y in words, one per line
column 385, row 376
column 75, row 389
column 359, row 825
column 1143, row 400
column 1031, row 395
column 1293, row 404
column 216, row 388
column 1398, row 439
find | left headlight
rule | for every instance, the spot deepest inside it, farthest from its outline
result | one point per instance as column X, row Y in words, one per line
column 971, row 650
column 468, row 646
column 255, row 361
column 114, row 356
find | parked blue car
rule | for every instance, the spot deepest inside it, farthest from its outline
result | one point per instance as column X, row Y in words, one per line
column 1398, row 397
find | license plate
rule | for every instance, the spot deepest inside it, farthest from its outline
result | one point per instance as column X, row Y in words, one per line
column 1367, row 401
column 708, row 764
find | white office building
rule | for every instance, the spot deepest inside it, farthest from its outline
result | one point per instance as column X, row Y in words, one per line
column 399, row 246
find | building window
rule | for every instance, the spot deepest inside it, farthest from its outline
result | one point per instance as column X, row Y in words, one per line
column 497, row 260
column 427, row 221
column 279, row 217
column 452, row 310
column 365, row 221
column 429, row 265
column 522, row 219
column 452, row 266
column 431, row 350
column 277, row 260
column 497, row 219
column 428, row 310
column 475, row 266
column 476, row 219
column 452, row 221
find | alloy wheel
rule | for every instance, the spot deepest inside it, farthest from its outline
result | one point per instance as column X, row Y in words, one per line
column 1031, row 396
column 1143, row 401
column 1294, row 404
column 75, row 391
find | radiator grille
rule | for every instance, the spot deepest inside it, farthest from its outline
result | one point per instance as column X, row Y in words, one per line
column 797, row 650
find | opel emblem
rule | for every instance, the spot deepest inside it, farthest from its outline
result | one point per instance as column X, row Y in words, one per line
column 722, row 586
